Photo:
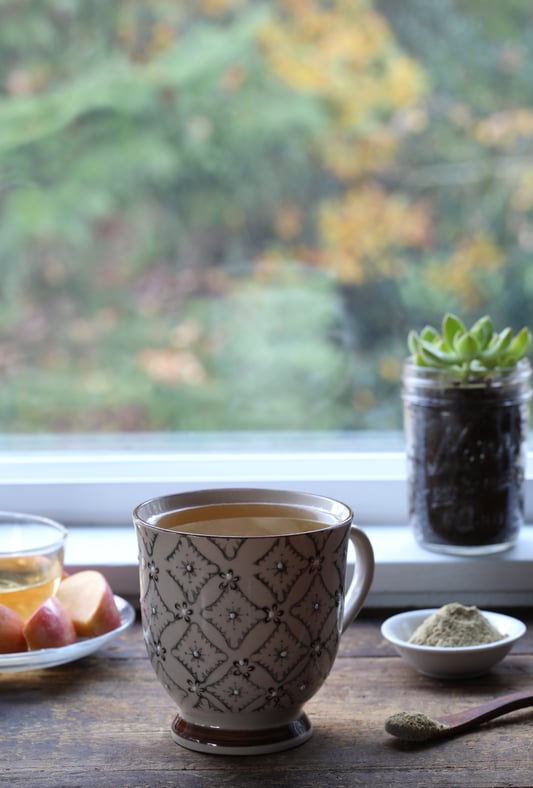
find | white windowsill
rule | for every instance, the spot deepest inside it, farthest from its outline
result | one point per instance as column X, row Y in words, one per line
column 92, row 483
column 405, row 576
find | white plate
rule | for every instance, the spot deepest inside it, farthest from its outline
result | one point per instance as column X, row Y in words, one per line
column 50, row 657
column 451, row 663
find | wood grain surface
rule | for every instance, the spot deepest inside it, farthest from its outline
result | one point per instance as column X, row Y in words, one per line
column 105, row 721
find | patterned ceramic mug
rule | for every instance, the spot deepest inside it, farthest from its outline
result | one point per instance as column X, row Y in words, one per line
column 243, row 603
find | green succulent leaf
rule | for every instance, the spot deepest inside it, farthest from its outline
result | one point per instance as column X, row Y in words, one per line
column 433, row 355
column 483, row 331
column 468, row 353
column 451, row 326
column 498, row 344
column 413, row 342
column 466, row 347
column 430, row 334
column 520, row 345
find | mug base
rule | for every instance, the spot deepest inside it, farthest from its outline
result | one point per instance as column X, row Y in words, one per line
column 217, row 741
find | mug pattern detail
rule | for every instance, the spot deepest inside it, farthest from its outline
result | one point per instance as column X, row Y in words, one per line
column 221, row 639
column 233, row 615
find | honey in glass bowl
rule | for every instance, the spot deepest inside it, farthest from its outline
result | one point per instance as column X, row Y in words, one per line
column 31, row 560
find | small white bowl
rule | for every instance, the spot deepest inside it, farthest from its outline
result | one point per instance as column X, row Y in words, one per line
column 450, row 663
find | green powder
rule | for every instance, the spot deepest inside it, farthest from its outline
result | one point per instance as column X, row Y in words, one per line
column 455, row 626
column 414, row 726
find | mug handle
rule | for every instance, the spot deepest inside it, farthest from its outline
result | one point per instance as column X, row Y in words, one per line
column 362, row 577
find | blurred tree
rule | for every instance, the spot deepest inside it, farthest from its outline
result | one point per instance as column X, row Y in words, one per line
column 148, row 146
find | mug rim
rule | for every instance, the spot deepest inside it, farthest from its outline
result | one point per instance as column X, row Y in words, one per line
column 235, row 495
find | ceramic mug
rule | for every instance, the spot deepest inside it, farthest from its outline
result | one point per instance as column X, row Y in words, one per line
column 243, row 602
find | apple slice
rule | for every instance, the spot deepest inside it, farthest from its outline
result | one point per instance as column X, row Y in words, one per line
column 12, row 638
column 50, row 626
column 87, row 596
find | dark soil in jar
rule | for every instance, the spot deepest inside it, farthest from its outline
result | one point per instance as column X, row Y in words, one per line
column 466, row 459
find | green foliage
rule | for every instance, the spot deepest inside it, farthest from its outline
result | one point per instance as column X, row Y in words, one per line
column 468, row 353
column 147, row 148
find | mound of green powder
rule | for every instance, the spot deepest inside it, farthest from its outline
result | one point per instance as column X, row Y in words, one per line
column 414, row 726
column 455, row 626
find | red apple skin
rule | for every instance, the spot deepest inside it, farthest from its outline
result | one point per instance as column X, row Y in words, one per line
column 12, row 638
column 50, row 626
column 88, row 598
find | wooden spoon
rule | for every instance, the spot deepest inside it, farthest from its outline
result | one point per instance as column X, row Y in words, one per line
column 416, row 726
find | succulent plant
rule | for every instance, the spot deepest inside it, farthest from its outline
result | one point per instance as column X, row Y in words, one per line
column 470, row 352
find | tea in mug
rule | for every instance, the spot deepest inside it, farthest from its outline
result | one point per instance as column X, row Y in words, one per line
column 244, row 519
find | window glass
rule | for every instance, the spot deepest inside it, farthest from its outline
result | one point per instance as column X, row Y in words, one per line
column 227, row 214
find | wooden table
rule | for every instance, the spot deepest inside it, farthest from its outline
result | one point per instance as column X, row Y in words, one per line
column 104, row 721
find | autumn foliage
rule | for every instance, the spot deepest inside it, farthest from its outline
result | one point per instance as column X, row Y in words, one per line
column 180, row 179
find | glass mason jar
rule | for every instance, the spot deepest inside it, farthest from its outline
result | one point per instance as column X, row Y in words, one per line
column 466, row 445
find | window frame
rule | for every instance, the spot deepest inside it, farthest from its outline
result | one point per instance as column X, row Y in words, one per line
column 96, row 480
column 91, row 484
